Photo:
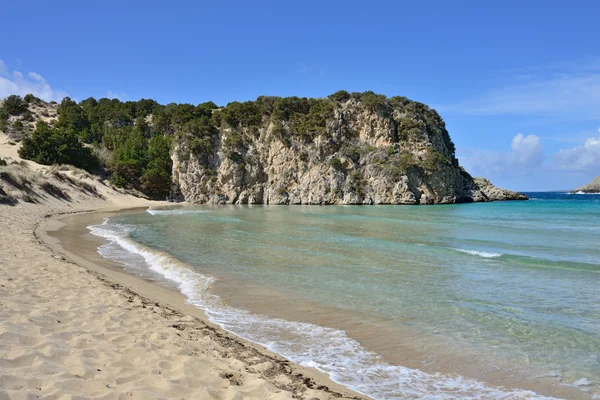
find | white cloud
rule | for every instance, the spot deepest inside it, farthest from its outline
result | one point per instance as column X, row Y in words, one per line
column 35, row 84
column 527, row 151
column 526, row 156
column 36, row 77
column 583, row 158
column 570, row 91
column 112, row 95
column 3, row 68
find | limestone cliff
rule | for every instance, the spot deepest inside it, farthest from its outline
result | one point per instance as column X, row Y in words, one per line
column 592, row 187
column 347, row 149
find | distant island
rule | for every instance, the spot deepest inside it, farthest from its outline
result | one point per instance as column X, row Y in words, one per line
column 347, row 148
column 592, row 187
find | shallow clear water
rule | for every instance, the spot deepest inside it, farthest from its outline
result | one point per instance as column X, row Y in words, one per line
column 516, row 282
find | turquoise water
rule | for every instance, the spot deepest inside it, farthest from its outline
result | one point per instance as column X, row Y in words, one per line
column 508, row 284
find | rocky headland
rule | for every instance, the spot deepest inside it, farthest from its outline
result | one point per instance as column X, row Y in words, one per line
column 592, row 187
column 347, row 148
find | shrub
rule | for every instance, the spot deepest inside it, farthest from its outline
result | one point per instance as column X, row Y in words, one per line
column 130, row 158
column 117, row 180
column 342, row 96
column 233, row 140
column 352, row 153
column 14, row 105
column 235, row 114
column 336, row 163
column 356, row 182
column 30, row 98
column 285, row 107
column 57, row 146
column 72, row 116
column 281, row 133
column 27, row 116
column 409, row 128
column 307, row 126
column 397, row 165
column 433, row 160
column 202, row 146
column 399, row 101
column 156, row 179
column 18, row 126
column 201, row 127
column 236, row 157
column 375, row 102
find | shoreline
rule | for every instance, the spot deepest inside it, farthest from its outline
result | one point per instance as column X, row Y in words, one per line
column 171, row 303
column 174, row 300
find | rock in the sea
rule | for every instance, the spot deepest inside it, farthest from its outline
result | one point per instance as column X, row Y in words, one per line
column 592, row 187
column 349, row 149
column 493, row 193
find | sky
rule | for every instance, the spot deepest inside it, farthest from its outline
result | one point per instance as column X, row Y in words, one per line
column 517, row 82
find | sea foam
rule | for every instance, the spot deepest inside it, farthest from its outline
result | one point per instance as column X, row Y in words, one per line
column 483, row 254
column 326, row 349
column 175, row 211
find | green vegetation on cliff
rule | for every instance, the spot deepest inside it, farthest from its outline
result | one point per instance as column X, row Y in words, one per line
column 132, row 141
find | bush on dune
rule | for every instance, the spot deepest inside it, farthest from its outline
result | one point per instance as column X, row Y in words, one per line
column 14, row 105
column 49, row 146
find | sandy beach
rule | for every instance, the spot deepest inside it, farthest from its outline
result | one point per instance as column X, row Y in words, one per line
column 74, row 328
column 86, row 330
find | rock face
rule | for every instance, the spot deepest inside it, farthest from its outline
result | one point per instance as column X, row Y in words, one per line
column 396, row 153
column 592, row 187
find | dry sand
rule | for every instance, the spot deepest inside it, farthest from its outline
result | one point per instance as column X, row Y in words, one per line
column 80, row 329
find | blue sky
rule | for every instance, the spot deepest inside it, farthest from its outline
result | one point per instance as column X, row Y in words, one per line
column 517, row 82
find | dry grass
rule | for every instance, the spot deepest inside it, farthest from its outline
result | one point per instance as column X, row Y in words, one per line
column 19, row 176
column 30, row 183
column 6, row 199
column 54, row 191
column 20, row 183
column 104, row 155
column 76, row 172
column 73, row 181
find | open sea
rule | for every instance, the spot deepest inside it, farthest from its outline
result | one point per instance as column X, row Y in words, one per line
column 468, row 301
